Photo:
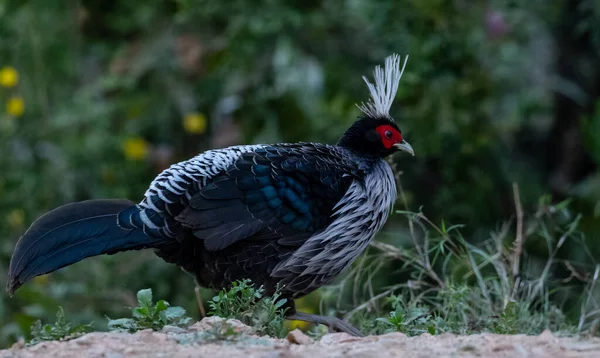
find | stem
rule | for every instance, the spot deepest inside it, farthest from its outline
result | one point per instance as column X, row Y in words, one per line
column 518, row 250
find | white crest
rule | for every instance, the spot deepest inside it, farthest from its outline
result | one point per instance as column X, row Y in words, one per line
column 384, row 90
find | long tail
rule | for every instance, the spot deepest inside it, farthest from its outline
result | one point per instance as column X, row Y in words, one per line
column 72, row 232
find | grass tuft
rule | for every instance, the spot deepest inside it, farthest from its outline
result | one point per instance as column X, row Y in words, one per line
column 60, row 330
column 450, row 284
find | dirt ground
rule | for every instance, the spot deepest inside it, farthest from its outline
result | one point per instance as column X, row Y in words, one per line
column 205, row 339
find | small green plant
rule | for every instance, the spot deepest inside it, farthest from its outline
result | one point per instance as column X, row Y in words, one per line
column 243, row 301
column 235, row 302
column 269, row 316
column 508, row 322
column 150, row 315
column 411, row 320
column 60, row 330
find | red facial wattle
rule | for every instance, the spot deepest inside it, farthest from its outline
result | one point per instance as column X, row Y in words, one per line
column 389, row 135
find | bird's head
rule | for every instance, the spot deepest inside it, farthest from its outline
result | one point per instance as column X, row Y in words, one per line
column 375, row 136
column 375, row 132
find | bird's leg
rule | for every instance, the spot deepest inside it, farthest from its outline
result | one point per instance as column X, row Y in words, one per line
column 199, row 301
column 333, row 323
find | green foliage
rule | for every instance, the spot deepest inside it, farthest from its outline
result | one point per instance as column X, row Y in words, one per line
column 516, row 318
column 457, row 287
column 269, row 316
column 60, row 330
column 265, row 314
column 108, row 90
column 236, row 301
column 150, row 315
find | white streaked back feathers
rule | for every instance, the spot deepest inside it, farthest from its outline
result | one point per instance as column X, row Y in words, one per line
column 177, row 179
column 384, row 90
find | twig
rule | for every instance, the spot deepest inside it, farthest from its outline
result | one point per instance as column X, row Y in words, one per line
column 574, row 274
column 518, row 249
column 367, row 303
column 388, row 250
column 550, row 262
column 423, row 251
column 393, row 252
column 514, row 291
column 356, row 285
column 411, row 225
column 199, row 301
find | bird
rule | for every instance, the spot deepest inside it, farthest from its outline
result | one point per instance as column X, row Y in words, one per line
column 290, row 217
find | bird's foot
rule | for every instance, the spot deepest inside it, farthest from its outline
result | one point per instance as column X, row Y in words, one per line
column 333, row 323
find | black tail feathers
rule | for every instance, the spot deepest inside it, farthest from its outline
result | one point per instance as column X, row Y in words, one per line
column 69, row 234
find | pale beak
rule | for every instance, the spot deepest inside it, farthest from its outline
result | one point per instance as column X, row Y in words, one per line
column 405, row 147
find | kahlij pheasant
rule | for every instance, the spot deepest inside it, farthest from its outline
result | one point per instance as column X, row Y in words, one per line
column 292, row 216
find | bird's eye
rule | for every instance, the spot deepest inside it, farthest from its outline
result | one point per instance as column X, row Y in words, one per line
column 388, row 134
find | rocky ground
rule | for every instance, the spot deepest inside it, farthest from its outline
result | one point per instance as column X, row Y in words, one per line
column 209, row 338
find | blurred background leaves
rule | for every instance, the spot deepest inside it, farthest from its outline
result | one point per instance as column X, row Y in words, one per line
column 97, row 97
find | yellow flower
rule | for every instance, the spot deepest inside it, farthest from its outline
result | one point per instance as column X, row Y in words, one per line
column 9, row 77
column 16, row 218
column 301, row 325
column 15, row 106
column 136, row 148
column 195, row 123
